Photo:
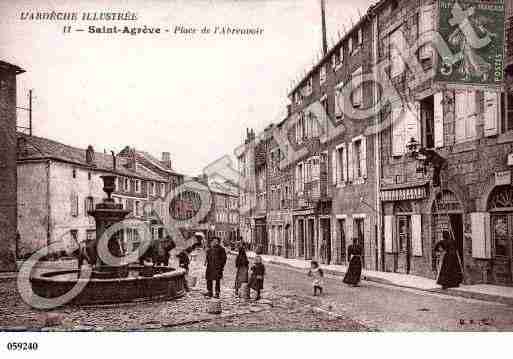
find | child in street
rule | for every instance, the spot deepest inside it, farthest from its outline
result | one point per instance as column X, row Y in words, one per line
column 256, row 282
column 316, row 273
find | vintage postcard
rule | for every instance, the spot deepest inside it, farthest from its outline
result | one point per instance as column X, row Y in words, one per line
column 259, row 165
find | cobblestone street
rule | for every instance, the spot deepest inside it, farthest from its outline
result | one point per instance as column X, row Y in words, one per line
column 287, row 304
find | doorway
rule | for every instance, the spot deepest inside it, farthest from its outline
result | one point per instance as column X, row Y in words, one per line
column 301, row 238
column 404, row 244
column 457, row 228
column 326, row 240
column 342, row 241
column 311, row 238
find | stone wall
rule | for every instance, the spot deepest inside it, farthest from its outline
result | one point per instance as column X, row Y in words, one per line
column 8, row 175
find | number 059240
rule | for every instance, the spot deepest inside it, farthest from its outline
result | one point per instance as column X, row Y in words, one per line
column 22, row 346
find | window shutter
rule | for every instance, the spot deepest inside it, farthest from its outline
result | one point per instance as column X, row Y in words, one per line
column 389, row 234
column 344, row 163
column 350, row 162
column 363, row 157
column 397, row 131
column 481, row 243
column 491, row 113
column 334, row 166
column 438, row 120
column 470, row 121
column 412, row 117
column 339, row 101
column 358, row 91
column 416, row 235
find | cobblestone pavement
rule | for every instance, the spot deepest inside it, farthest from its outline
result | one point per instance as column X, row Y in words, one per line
column 287, row 304
column 278, row 310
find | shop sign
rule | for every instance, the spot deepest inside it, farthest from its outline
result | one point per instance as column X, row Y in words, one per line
column 404, row 194
column 502, row 178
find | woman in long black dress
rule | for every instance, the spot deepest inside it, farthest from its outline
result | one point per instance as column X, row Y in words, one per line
column 450, row 274
column 354, row 271
column 242, row 265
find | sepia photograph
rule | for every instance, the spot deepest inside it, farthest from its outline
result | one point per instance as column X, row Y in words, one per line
column 301, row 166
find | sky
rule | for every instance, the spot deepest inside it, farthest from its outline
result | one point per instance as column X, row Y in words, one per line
column 190, row 95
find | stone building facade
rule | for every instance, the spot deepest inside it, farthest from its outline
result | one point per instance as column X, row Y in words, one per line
column 335, row 184
column 434, row 156
column 463, row 133
column 8, row 177
column 59, row 184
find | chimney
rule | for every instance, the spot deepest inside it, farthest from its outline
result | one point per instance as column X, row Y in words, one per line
column 324, row 40
column 166, row 160
column 90, row 155
column 132, row 161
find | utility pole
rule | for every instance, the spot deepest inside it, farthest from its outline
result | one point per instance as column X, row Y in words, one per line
column 324, row 40
column 30, row 112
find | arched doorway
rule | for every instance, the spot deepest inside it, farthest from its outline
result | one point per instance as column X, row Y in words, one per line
column 447, row 216
column 500, row 206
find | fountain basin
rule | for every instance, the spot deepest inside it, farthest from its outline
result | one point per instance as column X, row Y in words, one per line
column 166, row 283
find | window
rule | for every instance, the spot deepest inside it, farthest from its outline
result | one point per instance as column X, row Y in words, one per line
column 74, row 234
column 341, row 52
column 138, row 186
column 428, row 121
column 340, row 165
column 299, row 178
column 358, row 156
column 322, row 74
column 74, row 204
column 339, row 101
column 360, row 37
column 74, row 173
column 88, row 205
column 350, row 45
column 507, row 111
column 397, row 45
column 465, row 116
column 127, row 185
column 88, row 176
column 356, row 81
column 405, row 125
column 137, row 208
column 426, row 25
column 163, row 189
column 334, row 60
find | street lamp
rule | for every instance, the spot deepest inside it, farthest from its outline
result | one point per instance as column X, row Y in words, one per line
column 426, row 156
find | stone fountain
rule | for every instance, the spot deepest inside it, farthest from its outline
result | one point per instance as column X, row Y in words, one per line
column 113, row 282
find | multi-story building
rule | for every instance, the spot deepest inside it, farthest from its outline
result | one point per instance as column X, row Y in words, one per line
column 279, row 201
column 224, row 216
column 247, row 188
column 432, row 155
column 444, row 166
column 335, row 184
column 58, row 185
column 8, row 193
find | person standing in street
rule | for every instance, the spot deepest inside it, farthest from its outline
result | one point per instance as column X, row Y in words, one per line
column 316, row 274
column 450, row 273
column 354, row 271
column 256, row 282
column 242, row 265
column 215, row 262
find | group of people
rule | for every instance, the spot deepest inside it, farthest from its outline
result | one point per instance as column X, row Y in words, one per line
column 215, row 261
column 450, row 272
